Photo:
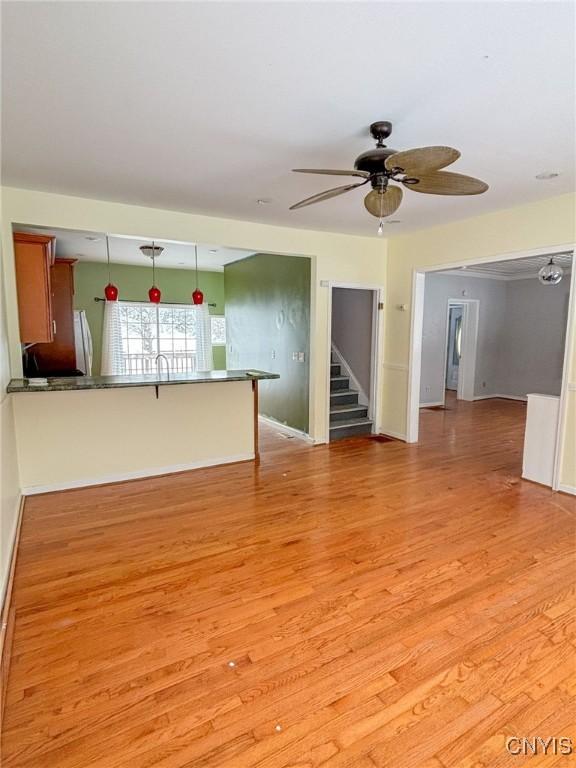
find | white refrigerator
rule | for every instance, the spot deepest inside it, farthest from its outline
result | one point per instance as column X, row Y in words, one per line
column 83, row 342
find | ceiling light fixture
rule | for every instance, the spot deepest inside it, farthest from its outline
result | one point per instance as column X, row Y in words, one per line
column 263, row 201
column 420, row 170
column 550, row 274
column 546, row 176
column 152, row 251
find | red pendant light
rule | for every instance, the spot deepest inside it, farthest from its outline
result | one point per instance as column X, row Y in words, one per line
column 110, row 291
column 154, row 294
column 197, row 295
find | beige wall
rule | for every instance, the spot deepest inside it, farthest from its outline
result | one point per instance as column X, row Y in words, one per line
column 538, row 225
column 337, row 257
column 9, row 480
column 68, row 439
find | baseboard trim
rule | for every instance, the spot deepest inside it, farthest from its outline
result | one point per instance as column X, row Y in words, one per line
column 285, row 429
column 521, row 398
column 8, row 615
column 395, row 435
column 432, row 405
column 571, row 489
column 33, row 490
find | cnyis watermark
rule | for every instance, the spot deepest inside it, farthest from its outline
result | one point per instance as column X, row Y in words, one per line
column 539, row 745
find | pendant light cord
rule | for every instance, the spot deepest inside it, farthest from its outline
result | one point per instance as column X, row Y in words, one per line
column 153, row 265
column 196, row 259
column 108, row 258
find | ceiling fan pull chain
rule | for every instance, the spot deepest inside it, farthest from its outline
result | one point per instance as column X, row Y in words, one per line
column 381, row 223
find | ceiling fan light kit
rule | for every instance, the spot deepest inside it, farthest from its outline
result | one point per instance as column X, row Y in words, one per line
column 417, row 169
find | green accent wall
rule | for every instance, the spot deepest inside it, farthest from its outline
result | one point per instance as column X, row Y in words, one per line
column 133, row 284
column 268, row 320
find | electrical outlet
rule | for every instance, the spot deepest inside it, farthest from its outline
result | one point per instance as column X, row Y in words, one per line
column 427, row 389
column 273, row 354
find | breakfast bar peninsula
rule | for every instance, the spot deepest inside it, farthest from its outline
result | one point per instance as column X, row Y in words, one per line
column 74, row 432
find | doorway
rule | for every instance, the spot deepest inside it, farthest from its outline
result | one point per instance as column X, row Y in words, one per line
column 522, row 311
column 454, row 346
column 352, row 364
column 462, row 322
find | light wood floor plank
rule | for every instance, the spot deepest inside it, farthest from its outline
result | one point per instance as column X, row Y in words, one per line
column 359, row 605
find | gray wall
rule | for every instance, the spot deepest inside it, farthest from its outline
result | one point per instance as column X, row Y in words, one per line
column 352, row 330
column 521, row 333
column 492, row 297
column 532, row 350
column 268, row 320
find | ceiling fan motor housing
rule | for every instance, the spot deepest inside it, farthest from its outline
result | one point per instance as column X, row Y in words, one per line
column 373, row 160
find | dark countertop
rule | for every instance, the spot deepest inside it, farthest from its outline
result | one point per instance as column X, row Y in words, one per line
column 149, row 380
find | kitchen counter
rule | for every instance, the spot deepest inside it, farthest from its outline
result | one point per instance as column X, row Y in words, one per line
column 76, row 432
column 65, row 384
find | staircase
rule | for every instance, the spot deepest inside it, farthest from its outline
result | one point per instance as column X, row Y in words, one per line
column 347, row 417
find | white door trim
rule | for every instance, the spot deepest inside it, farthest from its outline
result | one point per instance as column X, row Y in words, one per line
column 565, row 387
column 415, row 358
column 378, row 297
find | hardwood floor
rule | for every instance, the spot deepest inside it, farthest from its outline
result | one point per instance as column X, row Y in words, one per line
column 364, row 604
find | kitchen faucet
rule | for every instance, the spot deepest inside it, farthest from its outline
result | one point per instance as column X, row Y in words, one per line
column 158, row 368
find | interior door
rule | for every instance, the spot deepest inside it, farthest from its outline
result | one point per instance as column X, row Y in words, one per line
column 454, row 346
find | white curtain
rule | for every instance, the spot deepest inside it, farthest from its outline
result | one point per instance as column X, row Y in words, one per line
column 111, row 340
column 134, row 318
column 203, row 338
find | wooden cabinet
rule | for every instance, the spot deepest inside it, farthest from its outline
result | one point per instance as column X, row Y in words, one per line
column 34, row 257
column 45, row 288
column 59, row 356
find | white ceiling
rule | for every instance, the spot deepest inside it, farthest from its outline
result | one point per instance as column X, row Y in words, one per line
column 91, row 246
column 513, row 269
column 206, row 106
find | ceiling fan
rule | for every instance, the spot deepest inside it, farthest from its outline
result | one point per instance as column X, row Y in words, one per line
column 417, row 169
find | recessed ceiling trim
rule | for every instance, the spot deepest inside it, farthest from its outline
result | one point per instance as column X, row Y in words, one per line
column 512, row 269
column 126, row 250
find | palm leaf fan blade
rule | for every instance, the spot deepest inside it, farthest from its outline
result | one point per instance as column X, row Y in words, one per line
column 422, row 159
column 446, row 183
column 327, row 195
column 330, row 172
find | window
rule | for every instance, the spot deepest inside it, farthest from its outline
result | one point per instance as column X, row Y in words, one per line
column 138, row 332
column 218, row 330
